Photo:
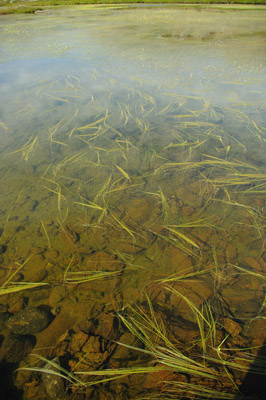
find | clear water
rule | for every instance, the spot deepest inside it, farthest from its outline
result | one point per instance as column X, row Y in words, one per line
column 137, row 132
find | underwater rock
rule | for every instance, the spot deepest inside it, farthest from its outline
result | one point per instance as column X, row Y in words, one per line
column 184, row 330
column 107, row 326
column 103, row 261
column 22, row 376
column 255, row 331
column 16, row 304
column 232, row 327
column 15, row 348
column 138, row 210
column 187, row 211
column 95, row 352
column 124, row 353
column 35, row 269
column 254, row 264
column 57, row 294
column 106, row 394
column 51, row 255
column 197, row 292
column 29, row 321
column 77, row 341
column 3, row 318
column 155, row 379
column 130, row 248
column 188, row 198
column 54, row 385
column 3, row 248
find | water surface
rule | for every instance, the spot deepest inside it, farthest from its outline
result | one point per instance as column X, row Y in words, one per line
column 136, row 135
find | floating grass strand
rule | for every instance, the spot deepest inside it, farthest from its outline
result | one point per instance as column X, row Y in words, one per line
column 248, row 271
column 182, row 236
column 27, row 149
column 214, row 161
column 175, row 243
column 183, row 275
column 165, row 207
column 123, row 172
column 14, row 287
column 191, row 390
column 88, row 276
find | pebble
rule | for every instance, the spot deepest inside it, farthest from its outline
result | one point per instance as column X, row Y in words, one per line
column 53, row 384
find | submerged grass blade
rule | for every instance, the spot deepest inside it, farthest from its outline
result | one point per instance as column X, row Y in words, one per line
column 14, row 287
column 182, row 236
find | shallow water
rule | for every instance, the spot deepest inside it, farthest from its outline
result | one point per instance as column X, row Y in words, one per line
column 133, row 143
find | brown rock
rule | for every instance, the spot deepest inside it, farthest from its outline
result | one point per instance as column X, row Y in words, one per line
column 124, row 353
column 157, row 293
column 108, row 325
column 57, row 294
column 35, row 392
column 195, row 291
column 180, row 260
column 62, row 323
column 35, row 269
column 232, row 327
column 15, row 348
column 93, row 345
column 254, row 264
column 16, row 304
column 51, row 255
column 244, row 296
column 22, row 376
column 263, row 265
column 256, row 330
column 188, row 198
column 95, row 355
column 231, row 253
column 103, row 261
column 54, row 384
column 129, row 248
column 29, row 321
column 187, row 211
column 139, row 210
column 183, row 330
column 260, row 202
column 154, row 380
column 77, row 341
column 202, row 234
column 106, row 395
column 234, row 296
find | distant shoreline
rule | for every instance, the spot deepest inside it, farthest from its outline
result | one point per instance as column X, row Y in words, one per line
column 39, row 6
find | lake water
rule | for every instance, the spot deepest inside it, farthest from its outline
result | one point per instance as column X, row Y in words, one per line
column 132, row 161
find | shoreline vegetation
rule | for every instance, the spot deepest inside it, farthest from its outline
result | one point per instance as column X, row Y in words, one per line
column 36, row 6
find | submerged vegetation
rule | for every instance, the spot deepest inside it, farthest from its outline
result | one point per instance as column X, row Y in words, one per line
column 133, row 224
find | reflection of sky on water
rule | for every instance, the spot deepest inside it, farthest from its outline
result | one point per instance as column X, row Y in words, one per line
column 206, row 53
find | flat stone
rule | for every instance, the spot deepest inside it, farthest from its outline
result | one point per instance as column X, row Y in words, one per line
column 107, row 326
column 232, row 327
column 57, row 294
column 103, row 261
